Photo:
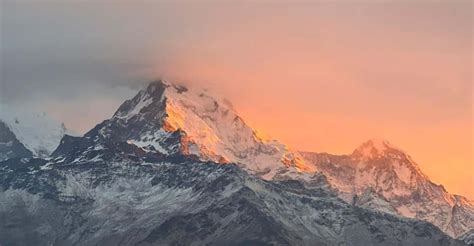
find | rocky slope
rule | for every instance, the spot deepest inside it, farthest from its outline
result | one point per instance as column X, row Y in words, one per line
column 382, row 177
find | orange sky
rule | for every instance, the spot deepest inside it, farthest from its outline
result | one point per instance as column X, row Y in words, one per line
column 326, row 80
column 321, row 76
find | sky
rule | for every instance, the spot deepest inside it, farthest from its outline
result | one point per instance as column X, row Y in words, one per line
column 320, row 76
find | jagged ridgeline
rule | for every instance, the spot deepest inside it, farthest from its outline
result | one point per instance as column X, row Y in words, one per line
column 178, row 166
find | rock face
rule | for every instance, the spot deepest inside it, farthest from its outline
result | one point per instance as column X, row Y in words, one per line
column 175, row 166
column 380, row 176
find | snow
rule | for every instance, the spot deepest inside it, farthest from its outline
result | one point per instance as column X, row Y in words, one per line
column 384, row 177
column 404, row 173
column 213, row 125
column 37, row 131
column 397, row 184
column 213, row 131
column 143, row 144
column 406, row 211
column 145, row 100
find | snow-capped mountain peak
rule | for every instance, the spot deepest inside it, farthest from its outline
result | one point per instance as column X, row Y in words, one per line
column 382, row 177
column 38, row 132
column 375, row 147
column 382, row 157
column 167, row 124
column 209, row 128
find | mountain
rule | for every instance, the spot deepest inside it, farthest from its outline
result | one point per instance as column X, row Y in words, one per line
column 26, row 134
column 124, row 195
column 171, row 119
column 177, row 166
column 380, row 176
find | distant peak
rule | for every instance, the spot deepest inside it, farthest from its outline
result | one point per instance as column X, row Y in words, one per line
column 38, row 132
column 374, row 147
column 379, row 143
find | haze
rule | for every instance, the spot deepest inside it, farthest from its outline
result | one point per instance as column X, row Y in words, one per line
column 321, row 76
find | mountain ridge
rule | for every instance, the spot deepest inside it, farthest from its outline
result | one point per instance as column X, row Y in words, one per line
column 166, row 125
column 171, row 119
column 126, row 196
column 387, row 179
column 209, row 127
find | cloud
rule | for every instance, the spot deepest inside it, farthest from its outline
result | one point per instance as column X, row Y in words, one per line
column 59, row 47
column 390, row 68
